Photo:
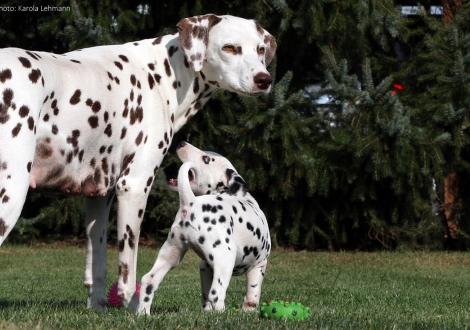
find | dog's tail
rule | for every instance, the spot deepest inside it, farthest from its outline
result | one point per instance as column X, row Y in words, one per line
column 188, row 171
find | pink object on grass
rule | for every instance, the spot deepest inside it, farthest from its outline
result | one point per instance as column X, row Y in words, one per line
column 114, row 299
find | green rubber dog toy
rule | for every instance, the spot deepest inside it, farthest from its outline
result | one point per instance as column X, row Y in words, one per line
column 281, row 310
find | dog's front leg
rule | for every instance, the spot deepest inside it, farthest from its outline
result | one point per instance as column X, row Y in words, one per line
column 131, row 206
column 254, row 280
column 96, row 215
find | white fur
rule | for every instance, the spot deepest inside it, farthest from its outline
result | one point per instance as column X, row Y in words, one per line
column 97, row 122
column 228, row 231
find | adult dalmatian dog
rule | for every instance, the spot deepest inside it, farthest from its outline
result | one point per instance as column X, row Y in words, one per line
column 97, row 123
column 228, row 231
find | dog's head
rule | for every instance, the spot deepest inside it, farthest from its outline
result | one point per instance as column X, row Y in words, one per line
column 217, row 174
column 231, row 52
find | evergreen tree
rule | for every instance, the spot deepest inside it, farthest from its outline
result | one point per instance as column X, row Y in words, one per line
column 357, row 172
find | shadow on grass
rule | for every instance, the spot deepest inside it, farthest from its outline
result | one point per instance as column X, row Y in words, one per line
column 165, row 310
column 4, row 304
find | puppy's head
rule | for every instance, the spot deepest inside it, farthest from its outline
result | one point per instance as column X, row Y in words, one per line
column 217, row 174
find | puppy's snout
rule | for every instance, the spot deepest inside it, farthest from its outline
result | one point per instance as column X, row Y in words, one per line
column 181, row 145
column 263, row 80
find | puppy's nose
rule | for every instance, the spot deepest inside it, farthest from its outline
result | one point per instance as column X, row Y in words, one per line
column 181, row 145
column 263, row 80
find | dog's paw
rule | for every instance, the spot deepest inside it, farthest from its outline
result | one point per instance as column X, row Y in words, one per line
column 250, row 306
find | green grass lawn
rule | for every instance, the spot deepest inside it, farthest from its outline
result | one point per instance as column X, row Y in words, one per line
column 41, row 288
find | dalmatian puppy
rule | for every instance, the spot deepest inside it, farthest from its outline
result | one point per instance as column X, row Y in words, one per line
column 227, row 230
column 97, row 123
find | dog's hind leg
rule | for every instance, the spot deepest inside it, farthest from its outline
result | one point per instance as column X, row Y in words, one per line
column 206, row 275
column 169, row 256
column 96, row 215
column 254, row 280
column 223, row 270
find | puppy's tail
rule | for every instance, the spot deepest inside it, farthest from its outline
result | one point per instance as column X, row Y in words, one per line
column 188, row 171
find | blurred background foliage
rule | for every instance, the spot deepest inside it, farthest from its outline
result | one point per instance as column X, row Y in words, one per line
column 368, row 116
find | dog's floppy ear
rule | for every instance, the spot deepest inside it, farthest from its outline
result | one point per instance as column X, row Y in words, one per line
column 194, row 37
column 270, row 42
column 236, row 184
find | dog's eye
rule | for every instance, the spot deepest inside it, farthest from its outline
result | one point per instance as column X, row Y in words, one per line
column 261, row 50
column 229, row 48
column 206, row 159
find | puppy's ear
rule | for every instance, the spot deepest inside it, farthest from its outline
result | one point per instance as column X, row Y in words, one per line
column 236, row 184
column 194, row 37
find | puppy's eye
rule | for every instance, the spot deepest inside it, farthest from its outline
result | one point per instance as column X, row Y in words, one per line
column 206, row 159
column 261, row 50
column 229, row 48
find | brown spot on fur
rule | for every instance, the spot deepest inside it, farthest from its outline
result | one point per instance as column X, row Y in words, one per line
column 5, row 75
column 34, row 56
column 34, row 75
column 151, row 81
column 3, row 227
column 16, row 130
column 123, row 58
column 69, row 157
column 30, row 123
column 75, row 97
column 104, row 165
column 96, row 106
column 172, row 50
column 131, row 240
column 118, row 64
column 127, row 160
column 124, row 270
column 44, row 151
column 139, row 138
column 93, row 121
column 97, row 176
column 26, row 63
column 167, row 67
column 108, row 131
column 24, row 111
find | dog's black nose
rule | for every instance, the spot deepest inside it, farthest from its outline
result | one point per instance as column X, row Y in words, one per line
column 263, row 80
column 181, row 145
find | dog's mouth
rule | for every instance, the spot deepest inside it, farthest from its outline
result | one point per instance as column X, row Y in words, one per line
column 173, row 183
